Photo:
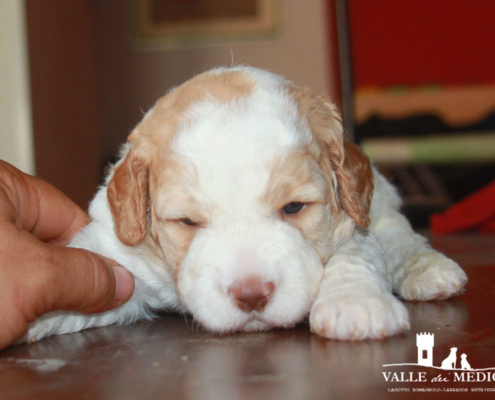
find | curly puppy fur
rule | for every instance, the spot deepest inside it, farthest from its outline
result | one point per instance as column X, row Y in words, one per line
column 238, row 201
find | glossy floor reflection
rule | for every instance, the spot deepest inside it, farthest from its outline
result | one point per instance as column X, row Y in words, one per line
column 170, row 359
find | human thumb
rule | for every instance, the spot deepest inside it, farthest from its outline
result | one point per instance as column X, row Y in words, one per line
column 77, row 280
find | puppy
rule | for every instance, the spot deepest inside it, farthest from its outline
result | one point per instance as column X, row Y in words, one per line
column 237, row 200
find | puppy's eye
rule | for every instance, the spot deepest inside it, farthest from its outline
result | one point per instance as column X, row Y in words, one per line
column 293, row 208
column 188, row 222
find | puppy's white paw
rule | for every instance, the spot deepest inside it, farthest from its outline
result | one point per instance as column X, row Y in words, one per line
column 358, row 316
column 431, row 276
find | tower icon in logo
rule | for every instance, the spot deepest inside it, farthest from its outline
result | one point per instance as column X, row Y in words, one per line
column 425, row 343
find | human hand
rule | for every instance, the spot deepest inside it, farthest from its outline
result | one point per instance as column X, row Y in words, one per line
column 37, row 273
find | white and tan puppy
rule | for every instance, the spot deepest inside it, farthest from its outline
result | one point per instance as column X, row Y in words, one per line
column 238, row 201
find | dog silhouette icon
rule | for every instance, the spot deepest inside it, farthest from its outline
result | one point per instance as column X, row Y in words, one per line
column 450, row 361
column 464, row 363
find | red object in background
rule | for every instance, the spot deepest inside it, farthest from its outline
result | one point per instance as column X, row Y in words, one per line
column 488, row 228
column 477, row 211
column 422, row 41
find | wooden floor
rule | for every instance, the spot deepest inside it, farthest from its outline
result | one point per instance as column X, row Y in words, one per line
column 169, row 359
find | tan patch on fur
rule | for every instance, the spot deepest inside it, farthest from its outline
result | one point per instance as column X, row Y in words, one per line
column 287, row 176
column 169, row 110
column 172, row 239
column 340, row 160
column 128, row 190
column 298, row 178
column 170, row 191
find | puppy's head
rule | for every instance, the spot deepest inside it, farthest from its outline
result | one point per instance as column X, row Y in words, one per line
column 243, row 184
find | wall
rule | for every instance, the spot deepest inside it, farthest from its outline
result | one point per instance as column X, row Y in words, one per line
column 133, row 79
column 65, row 95
column 16, row 143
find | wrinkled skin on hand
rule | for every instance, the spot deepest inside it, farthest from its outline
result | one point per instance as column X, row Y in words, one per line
column 38, row 274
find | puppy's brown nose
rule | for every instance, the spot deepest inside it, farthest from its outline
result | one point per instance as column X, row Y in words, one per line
column 251, row 293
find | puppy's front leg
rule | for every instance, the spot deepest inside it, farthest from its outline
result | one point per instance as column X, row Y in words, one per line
column 355, row 299
column 61, row 322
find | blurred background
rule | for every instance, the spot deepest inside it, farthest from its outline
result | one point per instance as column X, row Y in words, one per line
column 415, row 80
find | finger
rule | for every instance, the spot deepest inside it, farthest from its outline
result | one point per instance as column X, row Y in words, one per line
column 94, row 283
column 59, row 218
column 13, row 324
column 38, row 207
column 76, row 280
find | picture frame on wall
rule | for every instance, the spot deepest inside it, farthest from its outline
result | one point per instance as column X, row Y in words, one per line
column 195, row 23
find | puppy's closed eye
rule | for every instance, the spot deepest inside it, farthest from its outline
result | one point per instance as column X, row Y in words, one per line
column 188, row 222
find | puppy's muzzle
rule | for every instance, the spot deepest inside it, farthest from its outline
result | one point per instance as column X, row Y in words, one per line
column 251, row 293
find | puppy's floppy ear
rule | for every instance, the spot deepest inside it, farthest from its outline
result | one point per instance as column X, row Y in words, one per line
column 345, row 160
column 355, row 184
column 128, row 196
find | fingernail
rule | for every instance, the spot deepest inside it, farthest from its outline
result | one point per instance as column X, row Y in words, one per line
column 124, row 284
